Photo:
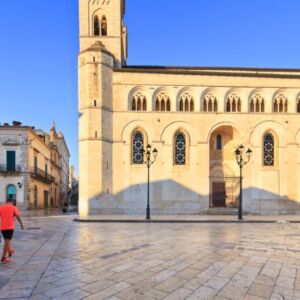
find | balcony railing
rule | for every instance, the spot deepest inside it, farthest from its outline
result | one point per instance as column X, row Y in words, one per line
column 10, row 171
column 41, row 175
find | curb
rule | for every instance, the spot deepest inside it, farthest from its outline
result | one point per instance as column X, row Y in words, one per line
column 182, row 221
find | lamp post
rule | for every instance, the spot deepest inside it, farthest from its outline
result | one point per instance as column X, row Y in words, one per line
column 241, row 162
column 149, row 161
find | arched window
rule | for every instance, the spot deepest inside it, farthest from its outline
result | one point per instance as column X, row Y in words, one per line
column 234, row 103
column 186, row 102
column 137, row 148
column 280, row 104
column 162, row 102
column 219, row 142
column 269, row 149
column 257, row 104
column 103, row 26
column 95, row 103
column 11, row 192
column 180, row 149
column 96, row 26
column 210, row 103
column 139, row 102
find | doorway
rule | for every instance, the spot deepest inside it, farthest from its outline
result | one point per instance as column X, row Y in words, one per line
column 45, row 199
column 218, row 194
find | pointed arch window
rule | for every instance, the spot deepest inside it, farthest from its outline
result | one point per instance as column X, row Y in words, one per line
column 162, row 102
column 137, row 148
column 234, row 103
column 269, row 150
column 180, row 148
column 96, row 26
column 139, row 102
column 104, row 26
column 186, row 102
column 210, row 103
column 280, row 104
column 257, row 104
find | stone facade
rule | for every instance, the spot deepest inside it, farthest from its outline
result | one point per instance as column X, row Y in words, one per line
column 31, row 173
column 212, row 110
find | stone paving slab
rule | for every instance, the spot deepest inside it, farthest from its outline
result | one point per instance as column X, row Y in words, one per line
column 62, row 259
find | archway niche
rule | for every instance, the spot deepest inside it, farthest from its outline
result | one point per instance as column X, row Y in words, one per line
column 223, row 172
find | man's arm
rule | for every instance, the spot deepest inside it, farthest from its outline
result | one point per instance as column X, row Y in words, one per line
column 20, row 221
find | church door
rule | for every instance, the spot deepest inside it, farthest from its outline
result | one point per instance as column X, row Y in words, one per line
column 218, row 194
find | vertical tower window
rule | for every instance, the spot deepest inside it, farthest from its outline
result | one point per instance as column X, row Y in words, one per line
column 96, row 26
column 180, row 149
column 269, row 150
column 137, row 148
column 298, row 106
column 219, row 142
column 95, row 103
column 103, row 26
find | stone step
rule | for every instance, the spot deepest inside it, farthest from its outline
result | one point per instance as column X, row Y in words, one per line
column 222, row 211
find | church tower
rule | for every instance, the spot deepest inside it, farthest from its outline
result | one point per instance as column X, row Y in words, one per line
column 103, row 46
column 102, row 21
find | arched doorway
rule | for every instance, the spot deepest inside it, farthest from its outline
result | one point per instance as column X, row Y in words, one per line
column 223, row 170
column 11, row 193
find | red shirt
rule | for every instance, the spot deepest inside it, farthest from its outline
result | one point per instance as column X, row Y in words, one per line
column 7, row 215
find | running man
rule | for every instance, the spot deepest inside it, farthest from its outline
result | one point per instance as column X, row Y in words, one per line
column 7, row 214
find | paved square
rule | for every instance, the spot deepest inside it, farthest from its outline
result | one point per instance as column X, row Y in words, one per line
column 57, row 258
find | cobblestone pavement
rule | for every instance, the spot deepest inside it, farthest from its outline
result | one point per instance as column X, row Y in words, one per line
column 60, row 259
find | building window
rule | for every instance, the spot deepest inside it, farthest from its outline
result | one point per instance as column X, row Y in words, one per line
column 139, row 102
column 11, row 192
column 269, row 150
column 257, row 104
column 180, row 149
column 96, row 26
column 138, row 148
column 298, row 106
column 103, row 26
column 95, row 103
column 210, row 103
column 35, row 164
column 219, row 142
column 280, row 104
column 186, row 103
column 162, row 102
column 233, row 103
column 11, row 161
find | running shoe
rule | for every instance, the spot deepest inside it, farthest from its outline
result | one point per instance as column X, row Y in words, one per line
column 5, row 261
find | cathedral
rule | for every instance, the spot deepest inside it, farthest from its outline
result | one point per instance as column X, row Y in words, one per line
column 196, row 118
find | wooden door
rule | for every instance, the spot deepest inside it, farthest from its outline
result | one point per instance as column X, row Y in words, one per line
column 218, row 194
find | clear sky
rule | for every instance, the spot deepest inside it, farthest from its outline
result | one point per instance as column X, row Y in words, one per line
column 39, row 47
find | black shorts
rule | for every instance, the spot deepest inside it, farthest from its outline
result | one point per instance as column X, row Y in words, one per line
column 8, row 234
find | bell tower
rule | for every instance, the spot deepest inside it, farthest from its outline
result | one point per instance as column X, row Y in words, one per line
column 102, row 21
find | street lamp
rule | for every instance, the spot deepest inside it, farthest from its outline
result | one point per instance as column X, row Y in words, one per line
column 149, row 161
column 241, row 162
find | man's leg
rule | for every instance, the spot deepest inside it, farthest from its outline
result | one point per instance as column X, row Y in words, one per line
column 5, row 248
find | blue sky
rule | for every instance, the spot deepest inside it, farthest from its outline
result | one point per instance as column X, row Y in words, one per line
column 39, row 46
